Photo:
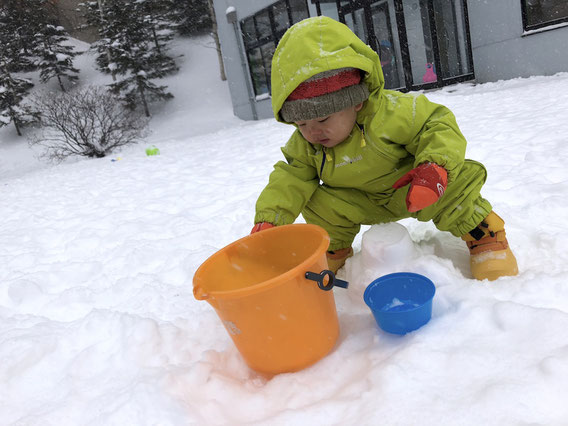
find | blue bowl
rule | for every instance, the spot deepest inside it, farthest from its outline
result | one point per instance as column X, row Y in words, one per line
column 400, row 302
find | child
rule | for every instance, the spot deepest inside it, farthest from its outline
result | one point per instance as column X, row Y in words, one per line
column 362, row 154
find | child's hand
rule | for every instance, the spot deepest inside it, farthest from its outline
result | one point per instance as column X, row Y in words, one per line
column 427, row 182
column 261, row 227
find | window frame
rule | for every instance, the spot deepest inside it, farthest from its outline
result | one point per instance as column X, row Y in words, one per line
column 261, row 43
column 531, row 27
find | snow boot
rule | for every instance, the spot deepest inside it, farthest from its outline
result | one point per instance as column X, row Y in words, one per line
column 336, row 258
column 490, row 255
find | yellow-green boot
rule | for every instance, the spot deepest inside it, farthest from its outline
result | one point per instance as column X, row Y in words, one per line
column 490, row 255
column 336, row 258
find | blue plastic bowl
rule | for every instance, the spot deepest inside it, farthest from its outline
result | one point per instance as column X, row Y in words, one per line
column 400, row 302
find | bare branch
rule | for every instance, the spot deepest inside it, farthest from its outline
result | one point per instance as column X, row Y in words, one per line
column 89, row 122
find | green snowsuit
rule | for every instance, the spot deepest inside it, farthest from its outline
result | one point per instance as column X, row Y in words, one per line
column 342, row 187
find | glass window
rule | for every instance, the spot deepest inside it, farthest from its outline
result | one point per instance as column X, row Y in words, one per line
column 329, row 9
column 299, row 10
column 261, row 34
column 257, row 71
column 263, row 24
column 249, row 33
column 280, row 13
column 452, row 46
column 267, row 54
column 541, row 13
column 356, row 21
column 391, row 61
column 420, row 47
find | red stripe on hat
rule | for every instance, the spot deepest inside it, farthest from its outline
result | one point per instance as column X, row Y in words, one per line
column 322, row 86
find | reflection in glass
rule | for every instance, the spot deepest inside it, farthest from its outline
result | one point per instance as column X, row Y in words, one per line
column 267, row 51
column 419, row 38
column 544, row 11
column 280, row 15
column 356, row 21
column 390, row 57
column 263, row 24
column 257, row 71
column 248, row 31
column 299, row 10
column 450, row 30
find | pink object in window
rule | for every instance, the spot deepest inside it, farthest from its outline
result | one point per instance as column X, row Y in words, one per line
column 429, row 76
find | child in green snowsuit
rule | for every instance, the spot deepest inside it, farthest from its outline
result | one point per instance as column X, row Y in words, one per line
column 362, row 154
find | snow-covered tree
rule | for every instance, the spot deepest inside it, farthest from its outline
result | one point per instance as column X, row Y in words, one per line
column 55, row 57
column 157, row 16
column 20, row 22
column 133, row 46
column 139, row 88
column 192, row 16
column 12, row 92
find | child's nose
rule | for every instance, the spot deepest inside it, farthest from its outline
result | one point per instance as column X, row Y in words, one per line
column 316, row 130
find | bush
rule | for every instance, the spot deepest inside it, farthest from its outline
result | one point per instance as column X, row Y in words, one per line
column 89, row 122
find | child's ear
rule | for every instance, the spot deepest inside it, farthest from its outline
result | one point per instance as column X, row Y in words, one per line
column 358, row 107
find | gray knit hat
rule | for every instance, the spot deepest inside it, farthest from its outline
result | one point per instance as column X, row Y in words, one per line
column 324, row 94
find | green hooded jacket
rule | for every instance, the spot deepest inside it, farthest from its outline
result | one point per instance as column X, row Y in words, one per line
column 395, row 132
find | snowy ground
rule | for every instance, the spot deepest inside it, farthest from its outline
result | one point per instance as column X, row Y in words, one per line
column 98, row 324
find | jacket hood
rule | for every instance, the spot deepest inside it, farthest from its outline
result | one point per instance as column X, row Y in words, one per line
column 315, row 45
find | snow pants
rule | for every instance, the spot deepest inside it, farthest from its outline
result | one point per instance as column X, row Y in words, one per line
column 342, row 211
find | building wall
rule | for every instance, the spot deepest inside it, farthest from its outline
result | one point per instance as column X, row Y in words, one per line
column 502, row 51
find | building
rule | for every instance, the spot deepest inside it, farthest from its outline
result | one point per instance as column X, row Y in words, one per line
column 423, row 44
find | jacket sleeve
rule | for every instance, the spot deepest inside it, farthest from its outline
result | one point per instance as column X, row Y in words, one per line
column 435, row 136
column 290, row 185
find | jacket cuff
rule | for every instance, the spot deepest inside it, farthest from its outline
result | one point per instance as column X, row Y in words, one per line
column 276, row 218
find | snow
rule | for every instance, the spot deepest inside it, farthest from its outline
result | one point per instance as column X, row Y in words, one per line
column 98, row 323
column 61, row 57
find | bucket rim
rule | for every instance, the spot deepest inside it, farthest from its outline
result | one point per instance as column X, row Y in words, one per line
column 395, row 275
column 286, row 276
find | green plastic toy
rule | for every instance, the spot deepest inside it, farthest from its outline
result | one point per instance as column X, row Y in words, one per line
column 152, row 150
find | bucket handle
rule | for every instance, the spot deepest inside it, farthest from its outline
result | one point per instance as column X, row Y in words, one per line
column 319, row 278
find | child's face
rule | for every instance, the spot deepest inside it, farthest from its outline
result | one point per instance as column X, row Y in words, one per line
column 331, row 130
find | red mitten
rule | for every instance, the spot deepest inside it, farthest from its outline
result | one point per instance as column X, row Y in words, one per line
column 261, row 227
column 427, row 182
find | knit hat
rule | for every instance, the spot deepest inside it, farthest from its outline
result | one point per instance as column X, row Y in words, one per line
column 324, row 94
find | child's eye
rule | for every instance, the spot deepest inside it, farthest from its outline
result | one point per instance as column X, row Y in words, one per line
column 321, row 121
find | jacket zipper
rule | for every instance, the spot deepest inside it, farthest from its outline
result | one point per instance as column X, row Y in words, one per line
column 322, row 162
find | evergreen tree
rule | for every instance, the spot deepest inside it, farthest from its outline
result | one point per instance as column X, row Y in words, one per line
column 192, row 17
column 12, row 92
column 133, row 45
column 107, row 19
column 55, row 57
column 20, row 21
column 140, row 62
column 158, row 16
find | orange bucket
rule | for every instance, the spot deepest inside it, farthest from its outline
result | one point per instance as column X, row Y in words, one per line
column 262, row 287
